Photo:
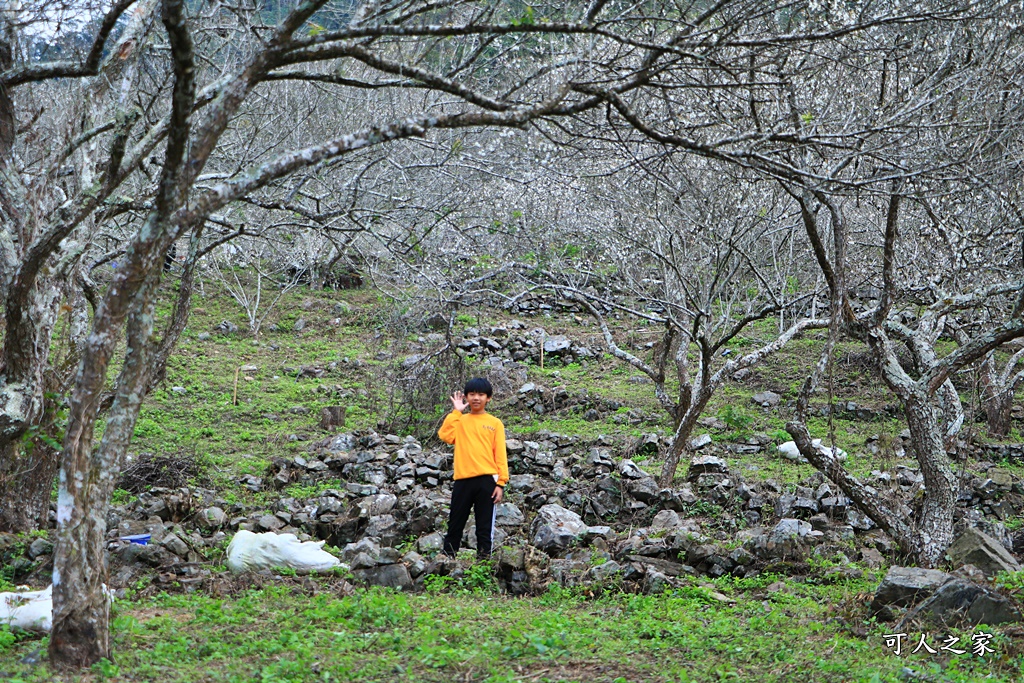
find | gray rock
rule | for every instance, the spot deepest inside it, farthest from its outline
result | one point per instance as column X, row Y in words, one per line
column 786, row 535
column 645, row 490
column 766, row 399
column 270, row 523
column 175, row 545
column 377, row 504
column 664, row 566
column 212, row 518
column 365, row 545
column 700, row 442
column 664, row 520
column 655, row 582
column 507, row 514
column 858, row 520
column 431, row 543
column 389, row 575
column 362, row 561
column 605, row 571
column 557, row 345
column 975, row 547
column 961, row 602
column 416, row 563
column 904, row 586
column 384, row 527
column 39, row 547
column 362, row 489
column 555, row 528
column 706, row 464
column 630, row 470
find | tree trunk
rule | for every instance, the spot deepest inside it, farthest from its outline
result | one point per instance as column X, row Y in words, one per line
column 81, row 619
column 26, row 484
column 998, row 412
column 681, row 441
column 27, row 468
column 935, row 526
column 80, row 635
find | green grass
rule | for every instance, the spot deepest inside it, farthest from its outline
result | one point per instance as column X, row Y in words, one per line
column 804, row 632
column 461, row 629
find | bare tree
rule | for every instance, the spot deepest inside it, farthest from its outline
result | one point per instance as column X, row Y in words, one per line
column 998, row 388
column 702, row 254
column 167, row 132
column 891, row 127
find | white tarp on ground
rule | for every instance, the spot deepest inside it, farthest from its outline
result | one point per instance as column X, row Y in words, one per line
column 249, row 551
column 791, row 452
column 27, row 610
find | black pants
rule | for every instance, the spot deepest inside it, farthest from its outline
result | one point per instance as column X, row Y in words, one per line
column 474, row 493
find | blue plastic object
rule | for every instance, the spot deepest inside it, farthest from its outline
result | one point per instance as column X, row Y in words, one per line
column 138, row 539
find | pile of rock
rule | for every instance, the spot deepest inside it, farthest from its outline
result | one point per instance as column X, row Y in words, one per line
column 514, row 342
column 576, row 507
column 965, row 597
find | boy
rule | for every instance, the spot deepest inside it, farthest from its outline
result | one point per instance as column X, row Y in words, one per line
column 481, row 465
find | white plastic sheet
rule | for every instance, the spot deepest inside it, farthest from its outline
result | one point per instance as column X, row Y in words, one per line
column 27, row 610
column 249, row 551
column 791, row 452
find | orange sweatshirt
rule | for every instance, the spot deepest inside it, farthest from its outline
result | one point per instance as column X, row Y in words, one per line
column 479, row 445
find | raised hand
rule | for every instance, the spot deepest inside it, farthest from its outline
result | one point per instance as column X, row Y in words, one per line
column 459, row 401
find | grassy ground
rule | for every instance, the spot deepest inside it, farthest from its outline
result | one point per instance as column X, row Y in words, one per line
column 750, row 630
column 777, row 629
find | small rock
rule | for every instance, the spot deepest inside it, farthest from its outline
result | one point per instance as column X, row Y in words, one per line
column 431, row 543
column 507, row 514
column 766, row 399
column 212, row 518
column 605, row 571
column 700, row 442
column 656, row 582
column 388, row 575
column 270, row 523
column 175, row 545
column 706, row 464
column 38, row 547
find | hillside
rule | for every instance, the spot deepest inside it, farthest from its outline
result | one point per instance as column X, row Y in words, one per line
column 696, row 582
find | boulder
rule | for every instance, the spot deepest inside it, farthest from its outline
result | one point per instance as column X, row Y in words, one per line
column 555, row 528
column 645, row 490
column 557, row 345
column 766, row 399
column 975, row 547
column 904, row 586
column 605, row 571
column 507, row 514
column 961, row 602
column 706, row 464
column 665, row 520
